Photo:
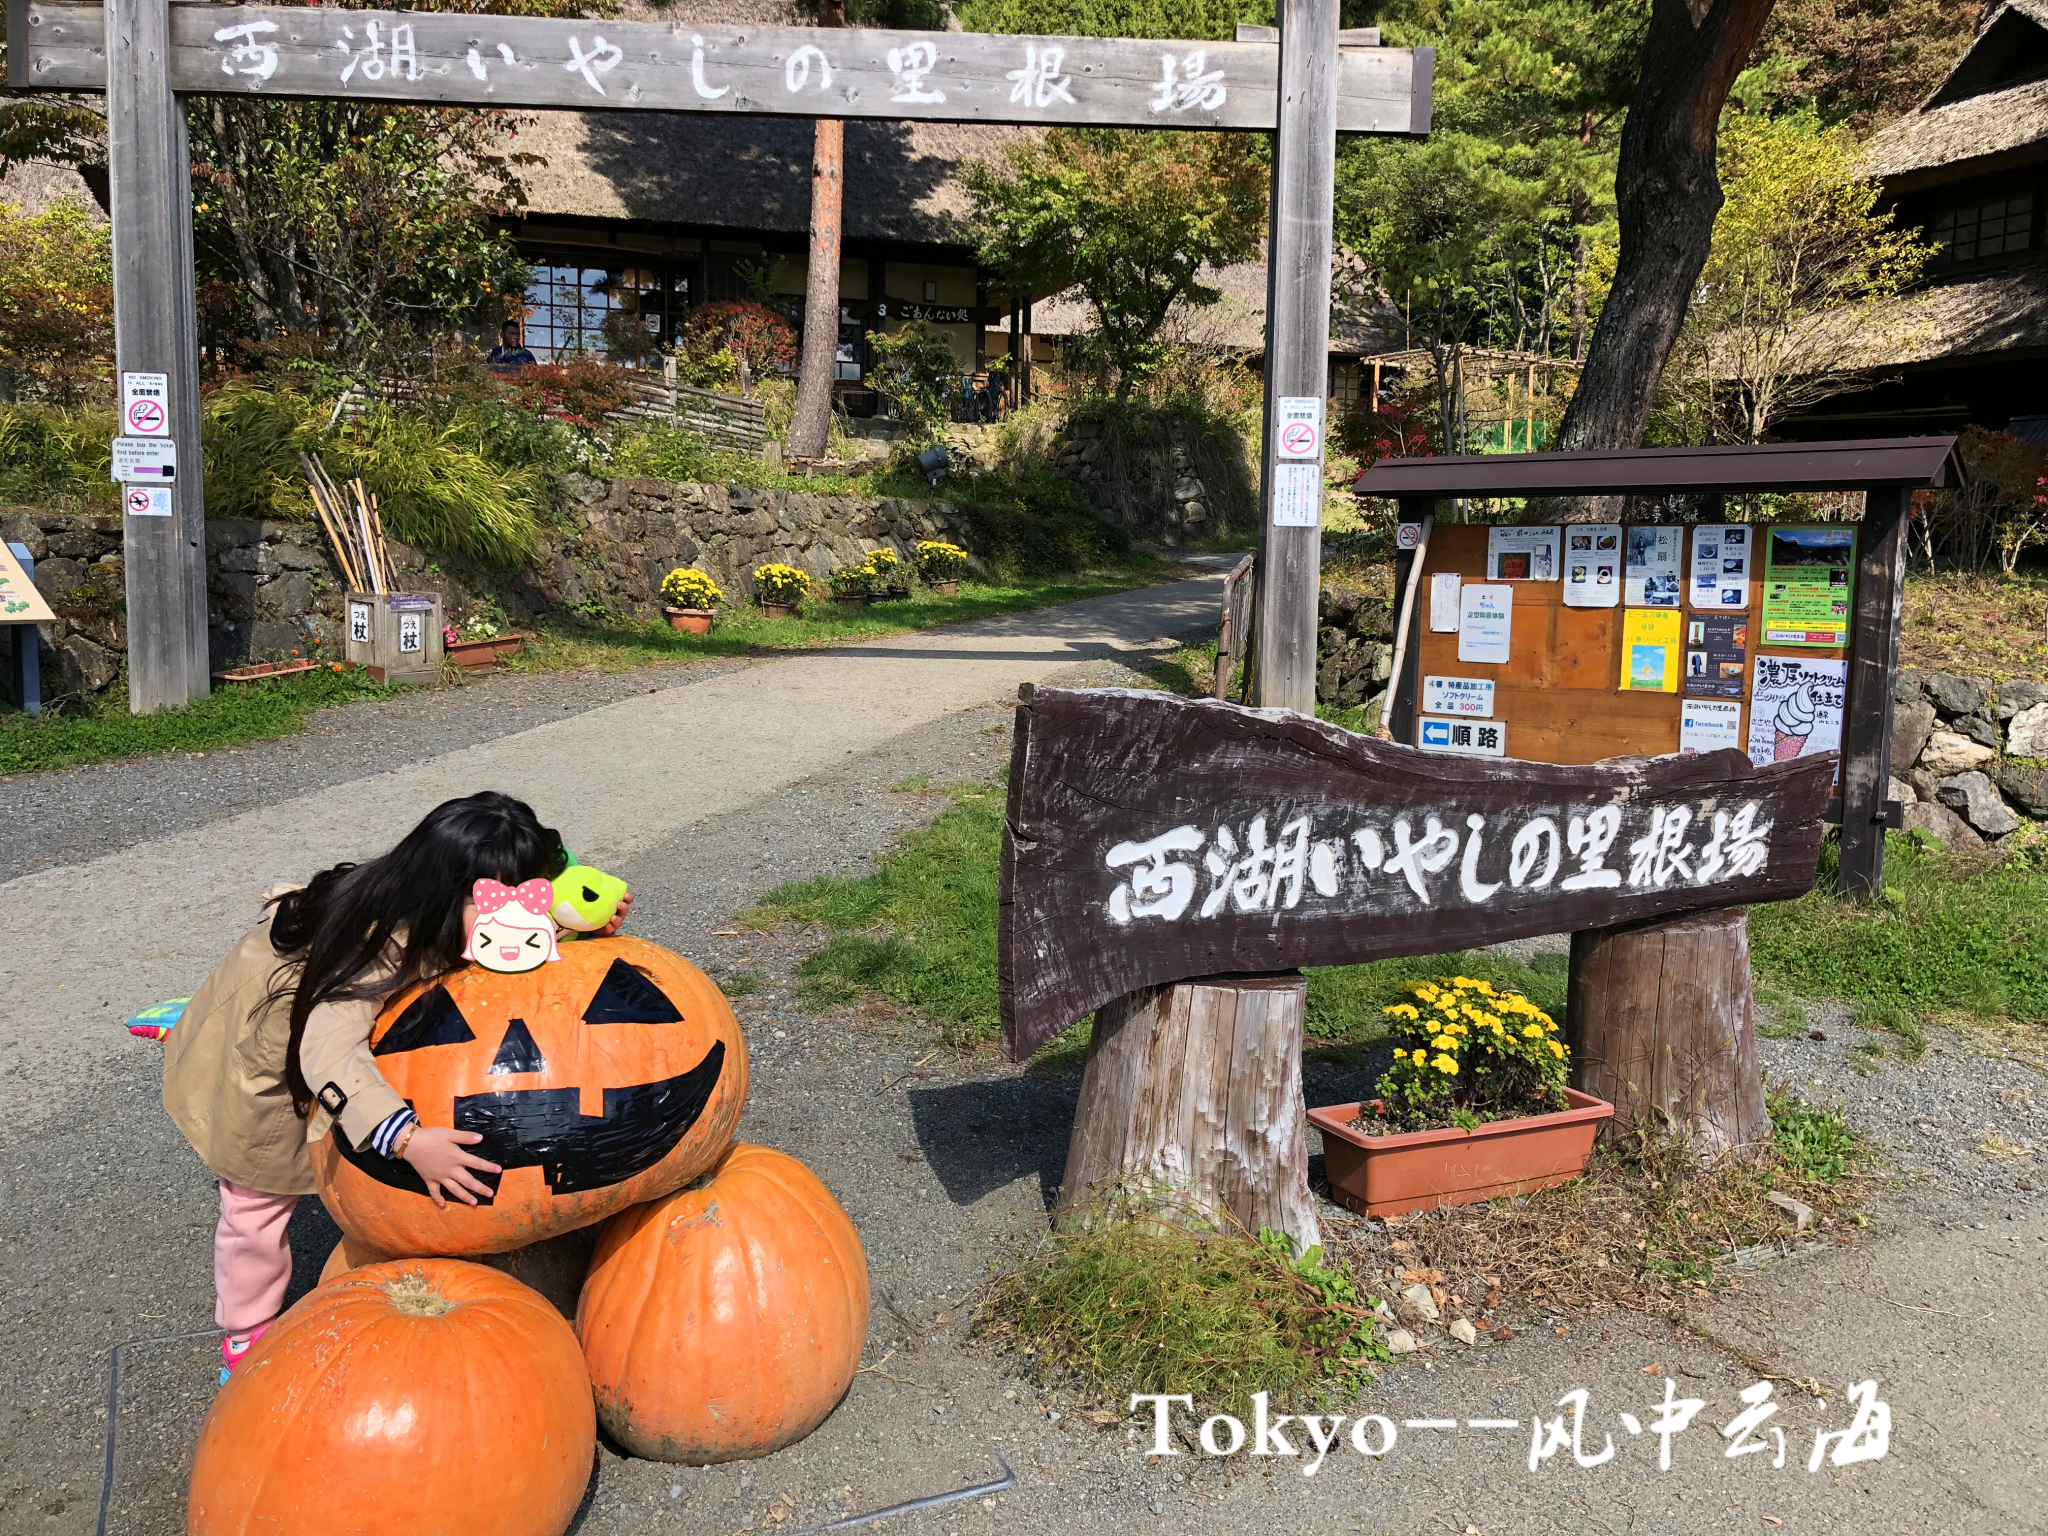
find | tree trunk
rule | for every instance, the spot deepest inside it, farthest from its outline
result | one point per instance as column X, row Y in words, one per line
column 1660, row 1023
column 1192, row 1096
column 1667, row 195
column 812, row 421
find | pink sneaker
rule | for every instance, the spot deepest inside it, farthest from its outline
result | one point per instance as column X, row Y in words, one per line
column 232, row 1350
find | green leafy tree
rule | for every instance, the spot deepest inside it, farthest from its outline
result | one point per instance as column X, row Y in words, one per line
column 1130, row 220
column 56, row 297
column 914, row 370
column 1801, row 256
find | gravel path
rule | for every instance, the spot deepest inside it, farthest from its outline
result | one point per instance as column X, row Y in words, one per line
column 105, row 1216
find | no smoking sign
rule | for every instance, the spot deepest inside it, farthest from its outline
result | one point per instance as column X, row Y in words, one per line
column 145, row 404
column 1298, row 427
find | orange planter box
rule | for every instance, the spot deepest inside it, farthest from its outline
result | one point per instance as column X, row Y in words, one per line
column 1419, row 1170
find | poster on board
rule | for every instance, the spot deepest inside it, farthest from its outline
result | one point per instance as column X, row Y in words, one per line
column 20, row 602
column 1653, row 578
column 1708, row 725
column 1795, row 707
column 1443, row 602
column 1720, row 566
column 1592, row 565
column 1522, row 554
column 1649, row 652
column 1716, row 655
column 1809, row 585
column 1485, row 620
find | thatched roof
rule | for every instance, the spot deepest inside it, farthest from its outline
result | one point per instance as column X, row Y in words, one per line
column 753, row 173
column 2001, row 312
column 1971, row 115
column 1362, row 322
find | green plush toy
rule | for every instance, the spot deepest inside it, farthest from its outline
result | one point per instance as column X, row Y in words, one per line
column 585, row 899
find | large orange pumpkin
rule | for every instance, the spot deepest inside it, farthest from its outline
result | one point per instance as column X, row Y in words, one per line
column 424, row 1395
column 611, row 1076
column 725, row 1321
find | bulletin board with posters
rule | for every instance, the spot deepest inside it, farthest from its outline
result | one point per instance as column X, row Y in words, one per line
column 1581, row 641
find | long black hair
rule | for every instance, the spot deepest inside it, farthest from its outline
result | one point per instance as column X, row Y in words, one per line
column 337, row 928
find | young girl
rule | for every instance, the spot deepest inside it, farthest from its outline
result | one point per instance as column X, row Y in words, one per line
column 273, row 1052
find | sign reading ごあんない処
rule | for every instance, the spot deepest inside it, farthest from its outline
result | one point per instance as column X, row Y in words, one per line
column 1150, row 839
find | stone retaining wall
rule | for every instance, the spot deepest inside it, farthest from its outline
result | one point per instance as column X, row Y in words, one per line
column 1970, row 756
column 273, row 588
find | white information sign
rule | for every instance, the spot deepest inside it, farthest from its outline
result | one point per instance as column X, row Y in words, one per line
column 410, row 631
column 1653, row 578
column 1592, row 565
column 1708, row 725
column 1486, row 612
column 1298, row 427
column 1521, row 554
column 147, row 501
column 1408, row 536
column 1720, row 567
column 1297, row 495
column 1443, row 602
column 1469, row 696
column 359, row 623
column 1468, row 738
column 146, row 404
column 144, row 460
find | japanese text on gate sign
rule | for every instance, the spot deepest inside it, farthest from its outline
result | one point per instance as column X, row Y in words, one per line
column 1298, row 427
column 145, row 404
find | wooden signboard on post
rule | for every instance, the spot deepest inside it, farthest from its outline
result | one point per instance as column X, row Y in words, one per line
column 146, row 53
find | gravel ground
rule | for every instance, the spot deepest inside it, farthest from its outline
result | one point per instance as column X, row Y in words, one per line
column 67, row 815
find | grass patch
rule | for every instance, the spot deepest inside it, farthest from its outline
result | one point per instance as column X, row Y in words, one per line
column 1962, row 935
column 1645, row 1229
column 1978, row 626
column 229, row 717
column 1114, row 1307
column 920, row 931
column 739, row 984
column 1788, row 1016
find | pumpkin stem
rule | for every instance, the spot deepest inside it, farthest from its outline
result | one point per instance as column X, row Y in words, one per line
column 416, row 1296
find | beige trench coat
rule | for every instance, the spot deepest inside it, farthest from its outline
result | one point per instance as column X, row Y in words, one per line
column 224, row 1070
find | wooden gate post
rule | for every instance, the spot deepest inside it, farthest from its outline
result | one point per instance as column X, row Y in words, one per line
column 1297, row 355
column 156, row 331
column 1659, row 1022
column 1192, row 1097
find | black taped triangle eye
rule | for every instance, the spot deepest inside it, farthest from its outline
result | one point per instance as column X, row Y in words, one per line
column 431, row 1019
column 519, row 1053
column 627, row 997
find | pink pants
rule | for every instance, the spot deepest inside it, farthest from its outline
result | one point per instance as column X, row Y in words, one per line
column 252, row 1262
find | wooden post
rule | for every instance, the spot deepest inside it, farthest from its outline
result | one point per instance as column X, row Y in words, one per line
column 1407, row 682
column 1192, row 1097
column 1024, row 389
column 1659, row 1022
column 1297, row 353
column 156, row 330
column 1873, row 674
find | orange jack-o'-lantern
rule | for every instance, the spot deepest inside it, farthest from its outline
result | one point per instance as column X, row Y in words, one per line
column 612, row 1076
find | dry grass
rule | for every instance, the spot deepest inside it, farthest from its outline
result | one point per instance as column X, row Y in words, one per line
column 1977, row 626
column 1641, row 1232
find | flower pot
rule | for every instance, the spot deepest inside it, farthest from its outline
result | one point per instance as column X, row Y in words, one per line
column 892, row 595
column 853, row 599
column 479, row 655
column 945, row 588
column 1419, row 1170
column 691, row 621
column 263, row 671
column 779, row 610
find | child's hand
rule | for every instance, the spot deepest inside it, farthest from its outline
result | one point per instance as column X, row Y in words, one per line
column 618, row 918
column 436, row 1155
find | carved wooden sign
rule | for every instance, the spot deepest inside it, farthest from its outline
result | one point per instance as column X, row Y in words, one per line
column 1151, row 839
column 451, row 58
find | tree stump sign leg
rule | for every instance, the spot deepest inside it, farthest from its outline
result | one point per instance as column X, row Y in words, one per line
column 1660, row 1023
column 1193, row 1091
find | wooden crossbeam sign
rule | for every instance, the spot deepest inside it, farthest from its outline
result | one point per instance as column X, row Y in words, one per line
column 443, row 59
column 1151, row 839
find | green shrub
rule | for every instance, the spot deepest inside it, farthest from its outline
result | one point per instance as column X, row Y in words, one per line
column 1038, row 526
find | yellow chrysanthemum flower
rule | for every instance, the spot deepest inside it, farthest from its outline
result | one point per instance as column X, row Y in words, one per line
column 1556, row 1049
column 1446, row 1065
column 1532, row 1031
column 1444, row 1043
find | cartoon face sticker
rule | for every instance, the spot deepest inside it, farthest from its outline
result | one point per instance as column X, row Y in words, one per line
column 512, row 931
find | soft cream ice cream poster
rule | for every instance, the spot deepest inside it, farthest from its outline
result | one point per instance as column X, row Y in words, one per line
column 1795, row 707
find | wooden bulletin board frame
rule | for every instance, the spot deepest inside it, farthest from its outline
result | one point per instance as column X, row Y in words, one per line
column 1560, row 695
column 1887, row 470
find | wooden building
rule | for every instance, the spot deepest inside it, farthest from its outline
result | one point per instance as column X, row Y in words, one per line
column 1969, row 343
